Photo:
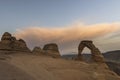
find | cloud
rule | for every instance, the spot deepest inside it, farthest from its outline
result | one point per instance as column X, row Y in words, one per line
column 68, row 37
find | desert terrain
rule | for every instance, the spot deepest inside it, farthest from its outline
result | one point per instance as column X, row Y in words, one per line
column 18, row 62
column 24, row 66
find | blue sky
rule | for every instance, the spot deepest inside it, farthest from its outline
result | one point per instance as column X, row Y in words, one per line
column 23, row 13
column 19, row 14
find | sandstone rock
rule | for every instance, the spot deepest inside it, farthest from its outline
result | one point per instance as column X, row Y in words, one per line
column 6, row 36
column 19, row 45
column 8, row 42
column 13, row 38
column 96, row 54
column 37, row 50
column 51, row 49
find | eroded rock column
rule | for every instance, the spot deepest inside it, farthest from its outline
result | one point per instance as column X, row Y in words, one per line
column 52, row 50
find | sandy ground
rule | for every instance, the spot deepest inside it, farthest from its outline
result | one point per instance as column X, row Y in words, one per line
column 32, row 67
column 10, row 72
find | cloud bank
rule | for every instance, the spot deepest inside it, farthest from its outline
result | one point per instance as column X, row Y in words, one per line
column 67, row 37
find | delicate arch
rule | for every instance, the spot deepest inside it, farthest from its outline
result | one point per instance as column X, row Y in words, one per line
column 96, row 54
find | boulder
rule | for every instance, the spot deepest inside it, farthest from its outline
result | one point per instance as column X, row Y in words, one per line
column 37, row 50
column 51, row 49
column 9, row 42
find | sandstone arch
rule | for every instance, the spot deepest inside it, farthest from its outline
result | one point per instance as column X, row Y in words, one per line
column 96, row 54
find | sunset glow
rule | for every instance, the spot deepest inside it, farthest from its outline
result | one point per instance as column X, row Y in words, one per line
column 65, row 22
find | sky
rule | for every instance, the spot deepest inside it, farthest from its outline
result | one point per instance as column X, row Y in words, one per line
column 65, row 22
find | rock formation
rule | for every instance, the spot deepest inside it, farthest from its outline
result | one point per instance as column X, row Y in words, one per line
column 37, row 50
column 96, row 54
column 51, row 49
column 9, row 43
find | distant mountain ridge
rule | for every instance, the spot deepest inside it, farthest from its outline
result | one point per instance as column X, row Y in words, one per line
column 113, row 56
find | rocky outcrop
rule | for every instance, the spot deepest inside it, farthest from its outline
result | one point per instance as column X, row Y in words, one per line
column 51, row 49
column 37, row 50
column 9, row 43
column 96, row 54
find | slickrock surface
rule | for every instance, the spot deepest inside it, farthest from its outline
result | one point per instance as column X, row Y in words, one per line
column 48, row 68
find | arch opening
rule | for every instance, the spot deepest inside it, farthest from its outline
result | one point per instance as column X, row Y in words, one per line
column 86, row 55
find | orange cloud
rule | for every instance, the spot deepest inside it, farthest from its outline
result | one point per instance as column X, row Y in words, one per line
column 67, row 36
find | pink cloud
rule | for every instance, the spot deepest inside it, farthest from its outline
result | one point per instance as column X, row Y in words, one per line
column 67, row 36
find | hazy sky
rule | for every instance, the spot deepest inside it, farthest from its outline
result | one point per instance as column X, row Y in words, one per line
column 65, row 22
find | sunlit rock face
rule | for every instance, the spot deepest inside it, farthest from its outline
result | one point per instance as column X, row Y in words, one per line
column 9, row 42
column 51, row 49
column 6, row 38
column 96, row 54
